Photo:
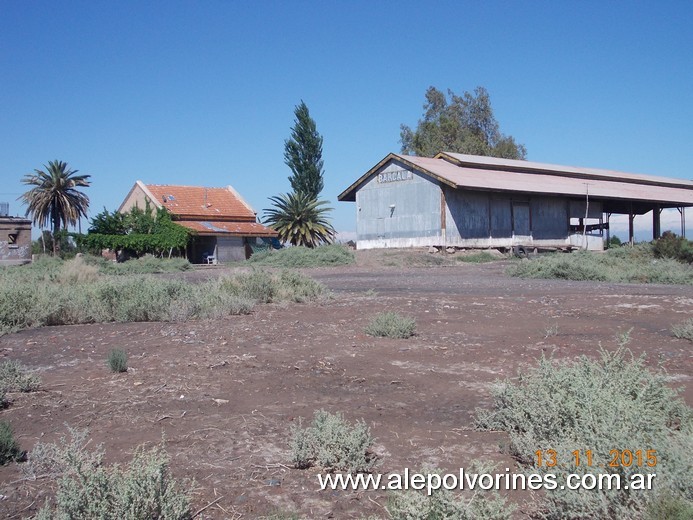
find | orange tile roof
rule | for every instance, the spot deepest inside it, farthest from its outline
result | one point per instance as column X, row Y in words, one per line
column 202, row 203
column 245, row 229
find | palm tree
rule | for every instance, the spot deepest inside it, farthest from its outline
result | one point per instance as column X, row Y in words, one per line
column 300, row 219
column 54, row 198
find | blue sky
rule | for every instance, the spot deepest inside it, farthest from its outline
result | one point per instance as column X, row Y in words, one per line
column 202, row 93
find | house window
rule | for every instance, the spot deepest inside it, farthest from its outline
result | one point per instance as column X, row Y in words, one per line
column 12, row 238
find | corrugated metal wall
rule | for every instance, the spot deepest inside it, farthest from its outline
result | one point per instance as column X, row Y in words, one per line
column 467, row 214
column 398, row 207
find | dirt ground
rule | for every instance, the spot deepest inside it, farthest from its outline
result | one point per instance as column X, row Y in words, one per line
column 225, row 393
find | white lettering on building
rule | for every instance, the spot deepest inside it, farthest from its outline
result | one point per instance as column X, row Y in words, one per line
column 394, row 176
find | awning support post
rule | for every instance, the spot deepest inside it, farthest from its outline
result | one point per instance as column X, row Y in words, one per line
column 682, row 211
column 656, row 222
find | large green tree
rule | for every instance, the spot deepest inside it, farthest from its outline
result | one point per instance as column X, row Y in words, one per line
column 300, row 219
column 461, row 124
column 303, row 154
column 54, row 198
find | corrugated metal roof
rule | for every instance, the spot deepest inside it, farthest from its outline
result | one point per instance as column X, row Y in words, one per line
column 201, row 202
column 555, row 169
column 246, row 229
column 489, row 173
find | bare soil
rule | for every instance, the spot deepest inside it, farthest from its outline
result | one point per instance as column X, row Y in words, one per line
column 224, row 393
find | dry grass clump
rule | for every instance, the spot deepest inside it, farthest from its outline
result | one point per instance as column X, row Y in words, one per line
column 117, row 361
column 391, row 325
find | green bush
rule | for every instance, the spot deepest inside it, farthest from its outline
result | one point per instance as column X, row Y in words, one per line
column 333, row 444
column 599, row 405
column 391, row 325
column 614, row 241
column 9, row 448
column 624, row 264
column 669, row 245
column 143, row 490
column 118, row 360
column 299, row 256
column 684, row 330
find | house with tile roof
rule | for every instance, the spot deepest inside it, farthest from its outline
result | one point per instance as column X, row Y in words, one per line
column 225, row 226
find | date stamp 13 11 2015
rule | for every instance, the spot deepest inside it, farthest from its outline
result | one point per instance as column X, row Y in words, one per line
column 626, row 458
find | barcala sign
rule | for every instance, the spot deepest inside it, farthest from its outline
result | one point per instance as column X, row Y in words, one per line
column 394, row 176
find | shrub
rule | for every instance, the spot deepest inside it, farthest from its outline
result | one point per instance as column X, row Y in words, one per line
column 118, row 360
column 443, row 504
column 14, row 378
column 78, row 271
column 9, row 448
column 54, row 459
column 298, row 256
column 476, row 258
column 333, row 444
column 669, row 245
column 257, row 286
column 281, row 515
column 600, row 405
column 624, row 264
column 142, row 490
column 298, row 288
column 684, row 330
column 41, row 294
column 391, row 325
column 668, row 507
column 614, row 241
column 145, row 265
column 265, row 287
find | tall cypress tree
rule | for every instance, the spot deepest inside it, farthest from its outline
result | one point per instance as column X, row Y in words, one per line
column 303, row 154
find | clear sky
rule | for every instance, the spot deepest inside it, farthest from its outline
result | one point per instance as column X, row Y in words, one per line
column 203, row 93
